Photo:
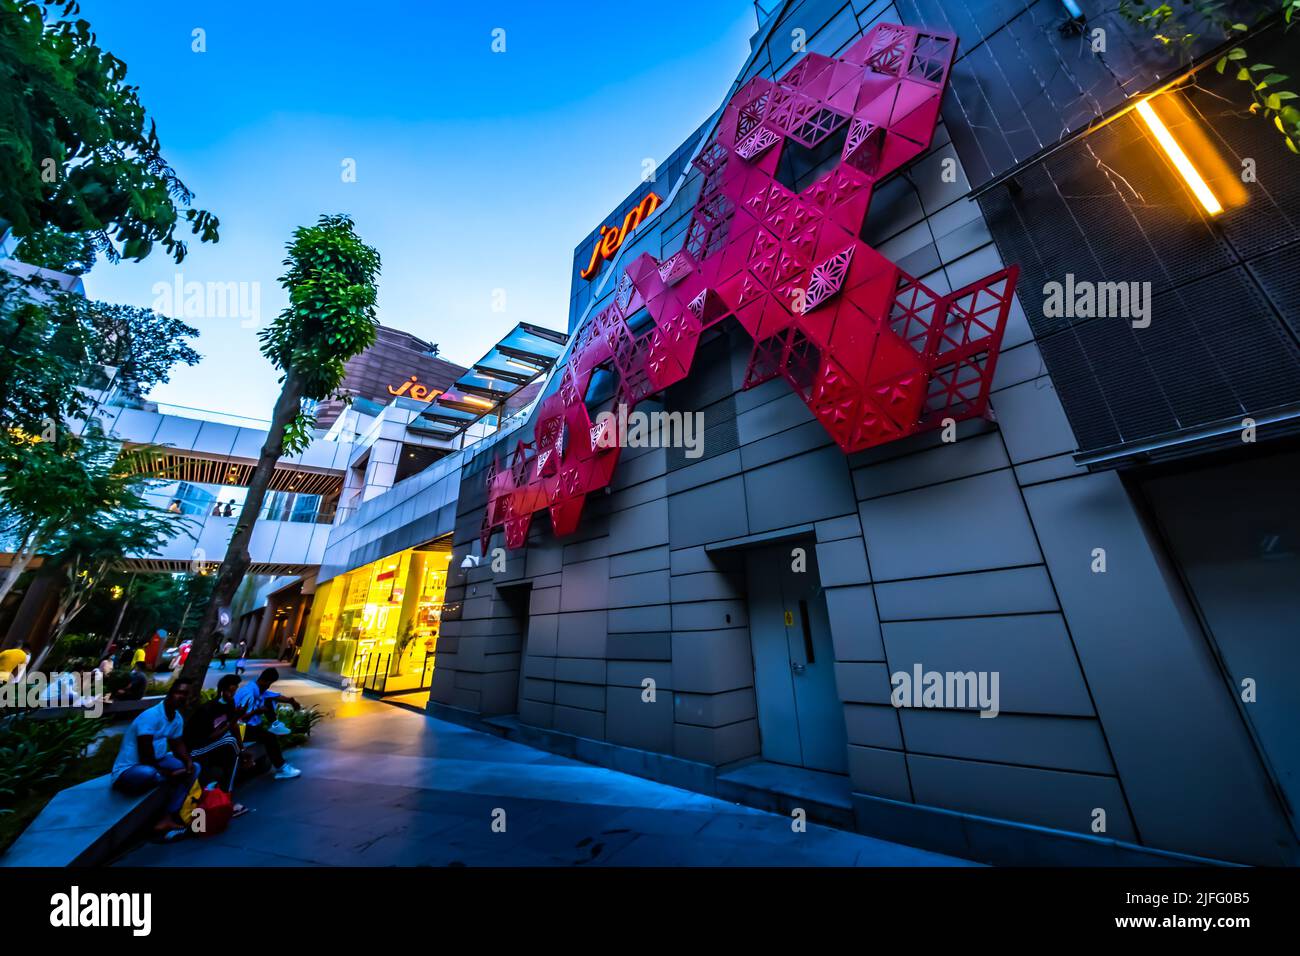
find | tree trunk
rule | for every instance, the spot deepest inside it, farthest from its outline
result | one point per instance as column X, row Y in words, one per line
column 23, row 557
column 236, row 562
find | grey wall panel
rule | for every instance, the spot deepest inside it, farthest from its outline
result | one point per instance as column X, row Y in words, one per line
column 647, row 646
column 862, row 683
column 833, row 529
column 643, row 526
column 580, row 722
column 706, row 586
column 969, row 456
column 716, row 745
column 690, row 560
column 634, row 722
column 1033, row 421
column 1057, row 743
column 1011, row 591
column 636, row 620
column 543, row 635
column 782, row 413
column 704, row 472
column 634, row 562
column 812, row 487
column 709, row 662
column 539, row 667
column 1191, row 773
column 580, row 670
column 585, row 586
column 855, row 631
column 544, row 601
column 715, row 710
column 1050, row 798
column 633, row 673
column 1031, row 653
column 842, row 562
column 799, row 440
column 881, row 773
column 968, row 525
column 708, row 615
column 537, row 713
column 586, row 696
column 712, row 512
column 581, row 634
column 873, row 725
column 635, row 590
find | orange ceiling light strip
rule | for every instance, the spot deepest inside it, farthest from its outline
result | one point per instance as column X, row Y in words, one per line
column 1176, row 156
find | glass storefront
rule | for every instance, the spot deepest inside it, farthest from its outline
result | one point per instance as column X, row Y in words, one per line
column 378, row 624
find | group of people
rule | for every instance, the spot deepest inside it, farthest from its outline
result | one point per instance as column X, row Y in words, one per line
column 218, row 511
column 164, row 747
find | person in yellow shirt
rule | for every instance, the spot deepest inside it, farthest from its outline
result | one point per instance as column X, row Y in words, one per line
column 13, row 662
column 138, row 656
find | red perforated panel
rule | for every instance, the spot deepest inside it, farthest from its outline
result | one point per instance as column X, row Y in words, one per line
column 874, row 354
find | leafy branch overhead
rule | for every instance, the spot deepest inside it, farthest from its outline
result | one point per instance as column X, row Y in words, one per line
column 1180, row 29
column 77, row 150
column 330, row 278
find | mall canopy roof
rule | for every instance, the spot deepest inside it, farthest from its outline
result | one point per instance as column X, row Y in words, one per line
column 522, row 354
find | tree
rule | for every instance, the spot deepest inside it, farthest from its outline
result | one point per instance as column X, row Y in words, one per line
column 51, row 248
column 330, row 317
column 43, row 358
column 141, row 344
column 86, row 552
column 56, row 495
column 77, row 149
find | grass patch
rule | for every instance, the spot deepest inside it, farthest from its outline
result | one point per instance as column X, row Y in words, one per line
column 28, row 808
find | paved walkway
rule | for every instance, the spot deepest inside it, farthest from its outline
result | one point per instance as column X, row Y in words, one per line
column 382, row 786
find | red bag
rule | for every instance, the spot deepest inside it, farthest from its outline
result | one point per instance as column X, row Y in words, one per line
column 217, row 809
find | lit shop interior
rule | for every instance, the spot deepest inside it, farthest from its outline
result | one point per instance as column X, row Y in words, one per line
column 378, row 625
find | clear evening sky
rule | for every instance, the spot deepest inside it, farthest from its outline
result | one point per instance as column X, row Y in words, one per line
column 475, row 170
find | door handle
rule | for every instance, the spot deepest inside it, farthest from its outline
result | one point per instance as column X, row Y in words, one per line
column 797, row 667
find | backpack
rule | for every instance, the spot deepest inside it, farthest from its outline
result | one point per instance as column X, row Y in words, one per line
column 218, row 808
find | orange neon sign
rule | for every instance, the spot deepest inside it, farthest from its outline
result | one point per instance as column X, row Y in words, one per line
column 421, row 393
column 611, row 237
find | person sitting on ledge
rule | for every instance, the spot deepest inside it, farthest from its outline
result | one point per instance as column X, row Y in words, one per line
column 257, row 702
column 154, row 752
column 137, row 683
column 212, row 732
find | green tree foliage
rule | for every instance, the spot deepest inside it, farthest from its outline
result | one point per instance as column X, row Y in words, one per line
column 331, row 276
column 141, row 344
column 1177, row 26
column 52, row 248
column 77, row 149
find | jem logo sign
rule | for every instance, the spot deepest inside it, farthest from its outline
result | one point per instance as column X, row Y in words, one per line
column 417, row 391
column 76, row 909
column 611, row 237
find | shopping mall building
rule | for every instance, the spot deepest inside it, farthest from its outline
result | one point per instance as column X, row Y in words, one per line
column 921, row 453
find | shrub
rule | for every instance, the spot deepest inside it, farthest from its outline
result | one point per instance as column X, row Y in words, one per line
column 299, row 722
column 36, row 752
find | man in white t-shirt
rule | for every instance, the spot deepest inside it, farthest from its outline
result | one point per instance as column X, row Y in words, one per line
column 154, row 752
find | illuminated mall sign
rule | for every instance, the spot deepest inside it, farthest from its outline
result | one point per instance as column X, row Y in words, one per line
column 611, row 237
column 411, row 387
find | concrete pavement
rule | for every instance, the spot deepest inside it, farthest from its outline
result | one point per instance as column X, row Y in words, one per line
column 383, row 786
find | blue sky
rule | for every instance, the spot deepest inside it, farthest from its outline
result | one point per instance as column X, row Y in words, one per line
column 475, row 170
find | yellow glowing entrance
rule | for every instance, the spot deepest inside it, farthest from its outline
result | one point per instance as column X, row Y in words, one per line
column 378, row 625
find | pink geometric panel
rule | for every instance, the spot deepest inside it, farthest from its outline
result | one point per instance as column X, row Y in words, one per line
column 874, row 354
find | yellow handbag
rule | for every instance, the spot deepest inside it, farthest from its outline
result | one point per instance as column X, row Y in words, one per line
column 191, row 801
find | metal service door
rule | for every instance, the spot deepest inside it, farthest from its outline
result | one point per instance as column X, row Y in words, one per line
column 800, row 716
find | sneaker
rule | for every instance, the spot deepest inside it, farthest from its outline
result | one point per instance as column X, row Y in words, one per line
column 279, row 729
column 287, row 772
